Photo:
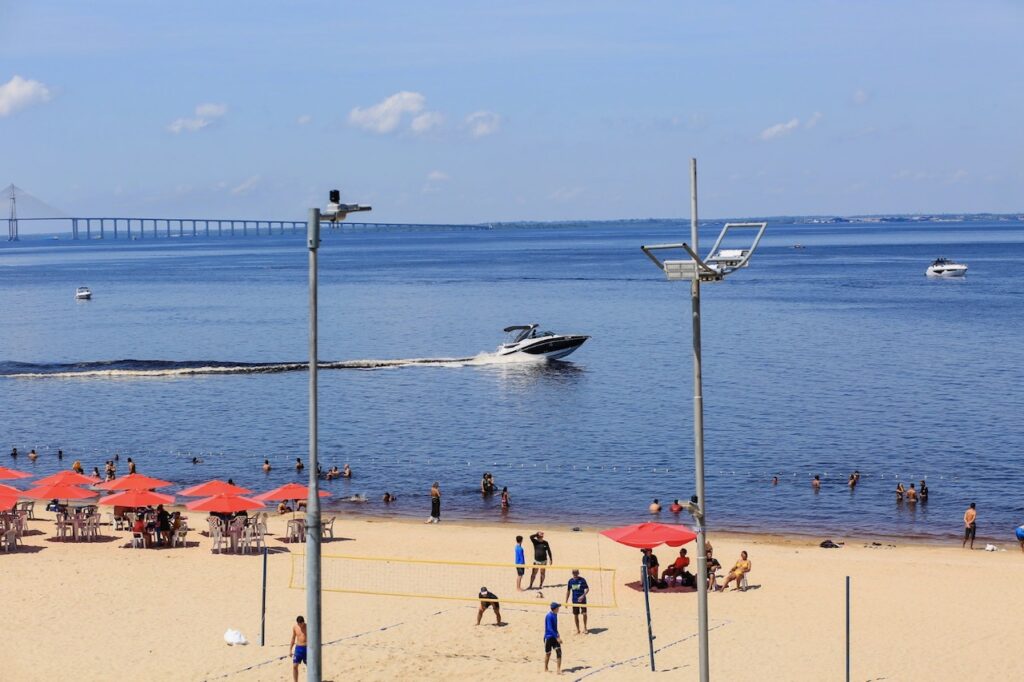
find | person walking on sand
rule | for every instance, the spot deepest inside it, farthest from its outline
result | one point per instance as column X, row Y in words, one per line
column 435, row 503
column 542, row 556
column 520, row 562
column 970, row 525
column 298, row 645
column 551, row 639
column 577, row 589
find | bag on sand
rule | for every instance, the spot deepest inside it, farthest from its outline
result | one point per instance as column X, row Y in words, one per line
column 233, row 637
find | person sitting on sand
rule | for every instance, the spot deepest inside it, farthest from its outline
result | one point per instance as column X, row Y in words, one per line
column 713, row 566
column 650, row 560
column 911, row 494
column 654, row 507
column 816, row 483
column 346, row 471
column 266, row 466
column 676, row 507
column 739, row 569
column 678, row 570
column 284, row 507
column 900, row 491
column 922, row 492
column 487, row 600
column 299, row 466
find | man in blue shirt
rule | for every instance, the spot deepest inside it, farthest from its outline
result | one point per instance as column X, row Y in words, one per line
column 520, row 562
column 551, row 638
column 577, row 588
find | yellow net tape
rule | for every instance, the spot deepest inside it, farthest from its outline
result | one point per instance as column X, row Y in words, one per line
column 453, row 580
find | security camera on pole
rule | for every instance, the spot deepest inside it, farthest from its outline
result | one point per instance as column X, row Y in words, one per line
column 335, row 211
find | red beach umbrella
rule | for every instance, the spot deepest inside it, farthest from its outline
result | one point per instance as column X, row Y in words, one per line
column 67, row 478
column 7, row 501
column 8, row 474
column 136, row 498
column 224, row 504
column 59, row 491
column 289, row 491
column 9, row 490
column 214, row 487
column 134, row 482
column 650, row 535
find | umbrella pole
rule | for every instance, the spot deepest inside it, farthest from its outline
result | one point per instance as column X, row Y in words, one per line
column 647, row 604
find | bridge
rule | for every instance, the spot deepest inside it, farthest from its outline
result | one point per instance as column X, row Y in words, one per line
column 137, row 229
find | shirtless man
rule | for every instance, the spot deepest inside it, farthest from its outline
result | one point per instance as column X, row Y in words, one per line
column 299, row 646
column 970, row 525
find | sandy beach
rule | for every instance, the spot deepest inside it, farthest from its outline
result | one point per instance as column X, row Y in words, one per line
column 105, row 611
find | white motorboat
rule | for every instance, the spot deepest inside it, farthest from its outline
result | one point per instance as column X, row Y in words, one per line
column 83, row 294
column 526, row 340
column 943, row 267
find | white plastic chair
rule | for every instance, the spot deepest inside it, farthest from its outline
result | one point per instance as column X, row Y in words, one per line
column 138, row 540
column 10, row 539
column 328, row 528
column 179, row 536
column 217, row 537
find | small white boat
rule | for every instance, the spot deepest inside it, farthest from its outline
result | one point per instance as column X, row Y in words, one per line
column 83, row 294
column 943, row 267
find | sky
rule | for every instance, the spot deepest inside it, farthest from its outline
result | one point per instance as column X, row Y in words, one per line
column 452, row 112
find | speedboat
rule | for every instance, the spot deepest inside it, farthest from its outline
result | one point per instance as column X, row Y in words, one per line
column 526, row 340
column 83, row 294
column 943, row 267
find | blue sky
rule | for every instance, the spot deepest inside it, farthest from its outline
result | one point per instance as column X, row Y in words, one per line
column 486, row 111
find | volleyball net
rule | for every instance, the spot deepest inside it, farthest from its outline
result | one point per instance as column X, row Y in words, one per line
column 451, row 580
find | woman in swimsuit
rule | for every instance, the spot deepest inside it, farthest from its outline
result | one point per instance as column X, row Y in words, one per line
column 899, row 491
column 739, row 569
column 505, row 499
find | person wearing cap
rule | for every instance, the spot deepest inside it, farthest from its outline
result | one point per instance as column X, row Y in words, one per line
column 577, row 588
column 551, row 638
column 542, row 556
column 487, row 600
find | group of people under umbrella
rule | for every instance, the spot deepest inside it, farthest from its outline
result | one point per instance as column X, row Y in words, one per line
column 138, row 491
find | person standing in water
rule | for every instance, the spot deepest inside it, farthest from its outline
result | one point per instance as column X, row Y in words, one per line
column 505, row 499
column 435, row 503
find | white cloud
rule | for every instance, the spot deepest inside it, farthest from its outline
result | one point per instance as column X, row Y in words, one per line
column 814, row 119
column 206, row 114
column 437, row 176
column 385, row 116
column 19, row 93
column 566, row 193
column 304, row 119
column 483, row 123
column 780, row 129
column 426, row 122
column 861, row 96
column 246, row 186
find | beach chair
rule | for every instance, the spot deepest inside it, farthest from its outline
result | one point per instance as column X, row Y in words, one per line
column 10, row 539
column 179, row 536
column 139, row 540
column 64, row 527
column 743, row 581
column 28, row 506
column 92, row 527
column 328, row 528
column 250, row 539
column 216, row 536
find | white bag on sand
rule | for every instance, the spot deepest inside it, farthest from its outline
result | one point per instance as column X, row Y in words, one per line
column 991, row 548
column 233, row 637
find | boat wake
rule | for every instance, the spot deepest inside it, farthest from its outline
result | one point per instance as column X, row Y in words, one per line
column 132, row 369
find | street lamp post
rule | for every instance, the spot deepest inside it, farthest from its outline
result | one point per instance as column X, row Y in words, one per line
column 335, row 211
column 714, row 268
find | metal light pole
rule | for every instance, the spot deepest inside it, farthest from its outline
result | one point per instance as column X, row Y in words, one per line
column 335, row 211
column 313, row 657
column 714, row 268
column 698, row 445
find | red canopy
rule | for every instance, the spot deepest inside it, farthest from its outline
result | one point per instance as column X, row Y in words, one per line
column 224, row 504
column 650, row 535
column 136, row 498
column 289, row 491
column 6, row 473
column 7, row 501
column 134, row 482
column 67, row 478
column 214, row 487
column 59, row 491
column 9, row 490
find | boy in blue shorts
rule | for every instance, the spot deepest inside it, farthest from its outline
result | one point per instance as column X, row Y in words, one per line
column 299, row 646
column 551, row 638
column 520, row 562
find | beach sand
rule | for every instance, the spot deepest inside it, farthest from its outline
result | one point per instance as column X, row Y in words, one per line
column 91, row 611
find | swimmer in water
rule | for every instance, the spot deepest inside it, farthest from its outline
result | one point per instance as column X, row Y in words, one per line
column 299, row 466
column 852, row 482
column 32, row 454
column 266, row 466
column 654, row 507
column 676, row 507
column 775, row 480
column 346, row 471
column 816, row 483
column 900, row 490
column 505, row 498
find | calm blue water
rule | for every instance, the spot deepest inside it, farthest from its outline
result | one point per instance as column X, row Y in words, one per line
column 841, row 356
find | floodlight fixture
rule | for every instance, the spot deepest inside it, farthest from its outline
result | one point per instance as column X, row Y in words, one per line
column 718, row 263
